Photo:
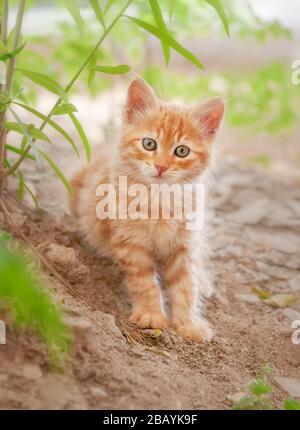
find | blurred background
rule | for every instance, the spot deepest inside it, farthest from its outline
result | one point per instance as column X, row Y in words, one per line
column 248, row 49
column 251, row 68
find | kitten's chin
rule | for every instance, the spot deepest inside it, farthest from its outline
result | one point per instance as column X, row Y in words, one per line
column 160, row 180
column 148, row 179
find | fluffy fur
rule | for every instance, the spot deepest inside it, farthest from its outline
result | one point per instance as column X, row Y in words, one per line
column 154, row 254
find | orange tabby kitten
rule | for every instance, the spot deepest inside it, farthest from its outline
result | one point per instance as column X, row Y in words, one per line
column 159, row 143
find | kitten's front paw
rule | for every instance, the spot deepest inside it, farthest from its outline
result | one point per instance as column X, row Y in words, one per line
column 199, row 331
column 149, row 320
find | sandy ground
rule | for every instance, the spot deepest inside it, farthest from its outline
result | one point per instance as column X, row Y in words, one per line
column 255, row 241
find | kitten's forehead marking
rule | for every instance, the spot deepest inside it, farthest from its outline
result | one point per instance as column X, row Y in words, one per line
column 171, row 128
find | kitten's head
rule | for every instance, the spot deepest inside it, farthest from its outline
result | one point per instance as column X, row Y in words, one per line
column 166, row 144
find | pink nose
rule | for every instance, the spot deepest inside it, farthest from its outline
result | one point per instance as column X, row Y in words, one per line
column 161, row 169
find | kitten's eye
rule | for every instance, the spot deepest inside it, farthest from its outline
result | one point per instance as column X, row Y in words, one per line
column 182, row 151
column 149, row 144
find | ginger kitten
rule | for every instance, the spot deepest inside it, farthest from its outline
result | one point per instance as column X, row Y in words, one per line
column 159, row 143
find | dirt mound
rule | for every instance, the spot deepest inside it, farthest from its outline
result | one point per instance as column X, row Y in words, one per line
column 255, row 241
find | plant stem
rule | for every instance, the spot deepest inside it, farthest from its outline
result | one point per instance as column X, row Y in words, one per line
column 17, row 34
column 4, row 19
column 9, row 76
column 15, row 166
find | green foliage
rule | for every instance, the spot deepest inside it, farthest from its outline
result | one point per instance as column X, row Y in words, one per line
column 291, row 405
column 260, row 100
column 49, row 121
column 63, row 109
column 98, row 12
column 220, row 11
column 7, row 55
column 258, row 395
column 27, row 303
column 34, row 132
column 85, row 51
column 262, row 160
column 74, row 10
column 159, row 20
column 111, row 70
column 44, row 81
column 265, row 100
column 57, row 170
column 166, row 38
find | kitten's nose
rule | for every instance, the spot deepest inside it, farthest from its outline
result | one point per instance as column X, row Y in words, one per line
column 161, row 169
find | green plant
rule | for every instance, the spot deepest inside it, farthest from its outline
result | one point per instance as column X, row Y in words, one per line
column 291, row 405
column 258, row 395
column 12, row 47
column 264, row 100
column 27, row 303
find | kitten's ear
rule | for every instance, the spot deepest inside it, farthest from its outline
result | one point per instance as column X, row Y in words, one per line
column 209, row 116
column 140, row 98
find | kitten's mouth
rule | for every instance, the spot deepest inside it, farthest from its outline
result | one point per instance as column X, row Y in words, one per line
column 160, row 180
column 159, row 177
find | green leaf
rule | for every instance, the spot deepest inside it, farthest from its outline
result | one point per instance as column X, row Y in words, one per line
column 63, row 109
column 25, row 132
column 23, row 144
column 281, row 300
column 3, row 106
column 83, row 137
column 216, row 4
column 74, row 10
column 263, row 160
column 44, row 81
column 5, row 100
column 51, row 123
column 98, row 12
column 34, row 132
column 37, row 134
column 262, row 293
column 18, row 151
column 259, row 387
column 11, row 36
column 32, row 195
column 92, row 73
column 12, row 54
column 57, row 170
column 158, row 16
column 112, row 70
column 3, row 48
column 291, row 405
column 162, row 35
column 20, row 191
column 171, row 9
column 108, row 5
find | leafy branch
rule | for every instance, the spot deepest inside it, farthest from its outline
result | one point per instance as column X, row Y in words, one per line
column 46, row 120
column 9, row 52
